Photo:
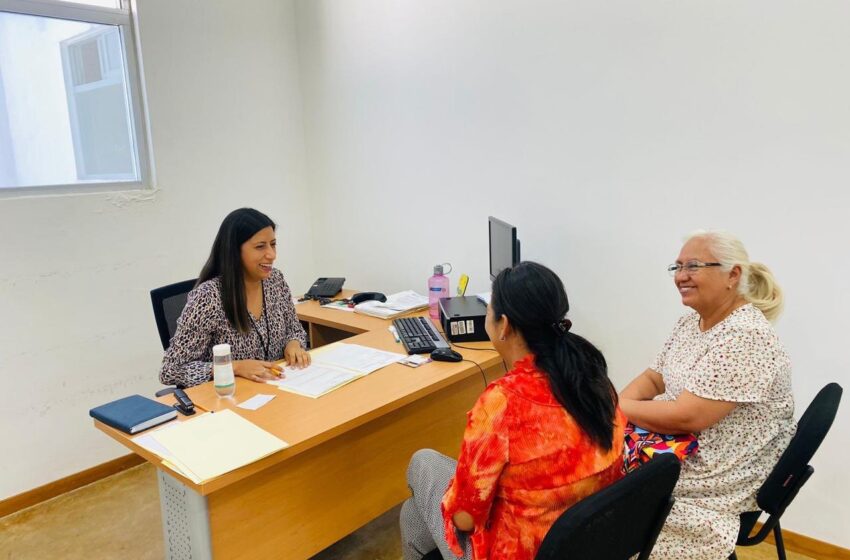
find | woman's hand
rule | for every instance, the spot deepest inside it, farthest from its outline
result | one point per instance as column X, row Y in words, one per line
column 463, row 521
column 644, row 387
column 295, row 355
column 257, row 370
column 688, row 414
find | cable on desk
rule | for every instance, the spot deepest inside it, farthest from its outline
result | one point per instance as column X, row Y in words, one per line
column 476, row 363
column 483, row 375
column 471, row 348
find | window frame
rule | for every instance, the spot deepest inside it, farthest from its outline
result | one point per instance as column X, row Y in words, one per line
column 125, row 18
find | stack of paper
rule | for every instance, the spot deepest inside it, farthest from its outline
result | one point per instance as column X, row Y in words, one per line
column 396, row 304
column 332, row 367
column 211, row 445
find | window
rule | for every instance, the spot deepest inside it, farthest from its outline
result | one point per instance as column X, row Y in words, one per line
column 71, row 115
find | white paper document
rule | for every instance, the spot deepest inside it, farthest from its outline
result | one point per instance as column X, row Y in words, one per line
column 361, row 359
column 216, row 443
column 255, row 402
column 396, row 304
column 333, row 366
column 314, row 380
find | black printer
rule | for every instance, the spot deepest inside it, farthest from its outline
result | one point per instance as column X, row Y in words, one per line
column 462, row 318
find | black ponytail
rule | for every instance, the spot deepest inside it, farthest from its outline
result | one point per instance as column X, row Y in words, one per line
column 535, row 302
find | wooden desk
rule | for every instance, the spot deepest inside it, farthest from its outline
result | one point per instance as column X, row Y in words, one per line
column 348, row 451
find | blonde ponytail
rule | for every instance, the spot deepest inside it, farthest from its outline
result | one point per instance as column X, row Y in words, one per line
column 763, row 291
column 757, row 284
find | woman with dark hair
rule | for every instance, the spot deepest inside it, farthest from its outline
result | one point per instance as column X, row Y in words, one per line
column 538, row 440
column 240, row 300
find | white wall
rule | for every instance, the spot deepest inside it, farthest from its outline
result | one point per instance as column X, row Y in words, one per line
column 76, row 327
column 604, row 131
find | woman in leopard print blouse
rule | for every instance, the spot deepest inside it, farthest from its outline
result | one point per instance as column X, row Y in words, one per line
column 240, row 300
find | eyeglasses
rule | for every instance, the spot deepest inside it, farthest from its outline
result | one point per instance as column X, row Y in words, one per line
column 691, row 267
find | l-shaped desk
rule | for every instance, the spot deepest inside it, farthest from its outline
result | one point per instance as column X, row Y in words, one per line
column 347, row 455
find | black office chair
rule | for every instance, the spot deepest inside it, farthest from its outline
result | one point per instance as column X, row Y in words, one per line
column 168, row 302
column 791, row 471
column 617, row 522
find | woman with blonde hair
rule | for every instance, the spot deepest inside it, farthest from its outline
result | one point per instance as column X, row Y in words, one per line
column 724, row 376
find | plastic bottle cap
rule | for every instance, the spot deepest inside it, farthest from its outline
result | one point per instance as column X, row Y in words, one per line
column 221, row 350
column 438, row 269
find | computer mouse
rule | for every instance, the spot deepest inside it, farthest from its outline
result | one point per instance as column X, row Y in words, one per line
column 367, row 296
column 445, row 355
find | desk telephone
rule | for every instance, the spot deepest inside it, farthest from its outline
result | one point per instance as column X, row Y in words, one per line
column 325, row 287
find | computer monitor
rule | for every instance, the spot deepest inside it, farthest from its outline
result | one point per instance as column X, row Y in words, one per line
column 504, row 246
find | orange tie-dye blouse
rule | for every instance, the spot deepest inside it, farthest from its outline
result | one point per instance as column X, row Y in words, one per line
column 523, row 461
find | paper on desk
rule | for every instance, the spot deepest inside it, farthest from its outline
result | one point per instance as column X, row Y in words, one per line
column 255, row 402
column 214, row 444
column 339, row 305
column 396, row 304
column 147, row 441
column 407, row 299
column 315, row 380
column 333, row 366
column 355, row 357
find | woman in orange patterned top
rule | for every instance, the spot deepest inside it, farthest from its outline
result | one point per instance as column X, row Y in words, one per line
column 538, row 440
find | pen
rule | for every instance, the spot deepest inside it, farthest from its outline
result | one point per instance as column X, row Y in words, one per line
column 395, row 333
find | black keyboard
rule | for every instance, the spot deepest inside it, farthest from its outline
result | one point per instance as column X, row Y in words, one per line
column 418, row 335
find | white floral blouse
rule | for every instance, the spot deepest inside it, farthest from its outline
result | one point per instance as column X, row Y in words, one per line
column 738, row 360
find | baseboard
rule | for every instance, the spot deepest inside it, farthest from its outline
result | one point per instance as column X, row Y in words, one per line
column 808, row 546
column 67, row 484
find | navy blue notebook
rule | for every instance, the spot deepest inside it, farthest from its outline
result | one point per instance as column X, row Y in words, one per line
column 133, row 414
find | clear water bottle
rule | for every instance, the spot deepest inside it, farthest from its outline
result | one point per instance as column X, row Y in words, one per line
column 223, row 379
column 438, row 287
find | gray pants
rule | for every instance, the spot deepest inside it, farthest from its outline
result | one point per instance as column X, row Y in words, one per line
column 428, row 476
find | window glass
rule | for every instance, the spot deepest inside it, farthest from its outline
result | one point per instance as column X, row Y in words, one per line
column 100, row 3
column 66, row 113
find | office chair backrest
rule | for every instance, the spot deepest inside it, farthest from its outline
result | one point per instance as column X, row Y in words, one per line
column 168, row 302
column 782, row 484
column 619, row 521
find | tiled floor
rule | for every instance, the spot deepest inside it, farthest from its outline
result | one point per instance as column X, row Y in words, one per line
column 119, row 518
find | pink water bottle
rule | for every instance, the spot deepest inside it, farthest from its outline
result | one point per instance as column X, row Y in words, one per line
column 438, row 287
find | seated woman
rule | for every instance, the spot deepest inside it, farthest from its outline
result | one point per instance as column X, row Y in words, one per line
column 724, row 376
column 240, row 300
column 538, row 440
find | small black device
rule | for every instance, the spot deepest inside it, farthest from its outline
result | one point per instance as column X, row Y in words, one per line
column 445, row 355
column 463, row 318
column 367, row 296
column 184, row 404
column 504, row 246
column 325, row 287
column 418, row 335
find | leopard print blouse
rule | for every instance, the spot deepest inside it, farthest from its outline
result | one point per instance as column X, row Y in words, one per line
column 203, row 324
